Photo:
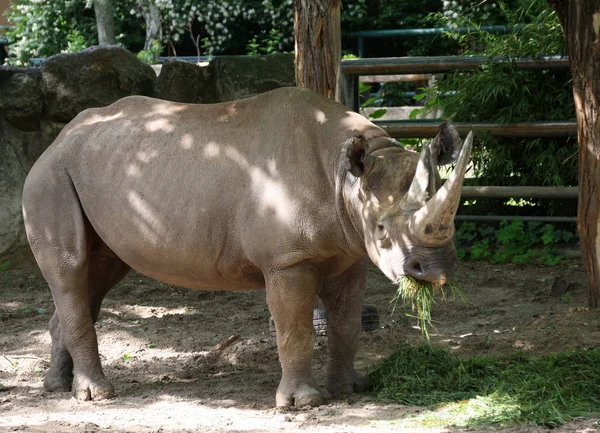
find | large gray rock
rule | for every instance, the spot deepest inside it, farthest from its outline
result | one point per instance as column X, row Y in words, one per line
column 18, row 151
column 237, row 77
column 21, row 100
column 181, row 81
column 94, row 77
column 21, row 142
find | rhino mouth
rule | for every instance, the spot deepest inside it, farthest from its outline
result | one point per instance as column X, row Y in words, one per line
column 430, row 266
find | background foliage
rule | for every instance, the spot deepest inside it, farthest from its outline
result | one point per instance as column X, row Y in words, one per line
column 218, row 27
column 497, row 93
column 502, row 93
column 229, row 26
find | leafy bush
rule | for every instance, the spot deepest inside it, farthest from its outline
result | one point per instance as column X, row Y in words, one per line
column 270, row 45
column 390, row 15
column 150, row 55
column 226, row 25
column 502, row 93
column 42, row 31
column 513, row 241
column 223, row 26
column 463, row 13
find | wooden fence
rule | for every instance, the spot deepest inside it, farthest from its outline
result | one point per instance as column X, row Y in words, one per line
column 353, row 69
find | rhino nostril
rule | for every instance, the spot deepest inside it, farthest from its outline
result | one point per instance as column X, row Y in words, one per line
column 413, row 268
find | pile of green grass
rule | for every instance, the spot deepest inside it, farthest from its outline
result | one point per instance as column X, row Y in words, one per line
column 518, row 388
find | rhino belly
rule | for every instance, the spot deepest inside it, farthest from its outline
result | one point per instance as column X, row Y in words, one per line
column 186, row 246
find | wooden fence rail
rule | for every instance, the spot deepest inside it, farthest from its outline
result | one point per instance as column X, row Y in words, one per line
column 433, row 65
column 541, row 218
column 352, row 69
column 429, row 129
column 569, row 192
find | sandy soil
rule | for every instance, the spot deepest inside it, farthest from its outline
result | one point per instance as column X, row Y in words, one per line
column 156, row 341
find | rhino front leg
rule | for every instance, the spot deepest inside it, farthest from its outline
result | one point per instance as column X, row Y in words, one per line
column 343, row 297
column 290, row 296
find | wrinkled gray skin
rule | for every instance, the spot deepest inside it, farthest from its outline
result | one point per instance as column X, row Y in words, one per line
column 286, row 191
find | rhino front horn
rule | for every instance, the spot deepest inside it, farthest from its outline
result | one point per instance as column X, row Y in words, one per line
column 434, row 223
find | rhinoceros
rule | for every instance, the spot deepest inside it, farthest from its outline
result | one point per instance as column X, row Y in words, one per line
column 287, row 191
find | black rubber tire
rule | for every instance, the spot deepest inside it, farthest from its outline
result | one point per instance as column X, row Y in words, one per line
column 369, row 318
column 320, row 322
column 369, row 321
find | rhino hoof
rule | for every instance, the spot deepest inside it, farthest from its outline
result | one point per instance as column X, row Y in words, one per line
column 87, row 390
column 305, row 396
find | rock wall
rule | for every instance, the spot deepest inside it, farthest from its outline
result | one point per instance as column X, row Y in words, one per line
column 36, row 103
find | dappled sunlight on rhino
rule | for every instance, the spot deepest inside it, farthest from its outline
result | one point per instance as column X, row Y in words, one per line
column 287, row 191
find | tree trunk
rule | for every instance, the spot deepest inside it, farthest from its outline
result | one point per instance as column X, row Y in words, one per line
column 105, row 22
column 153, row 22
column 581, row 24
column 318, row 44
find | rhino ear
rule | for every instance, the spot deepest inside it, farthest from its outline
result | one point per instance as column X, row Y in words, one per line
column 446, row 145
column 355, row 150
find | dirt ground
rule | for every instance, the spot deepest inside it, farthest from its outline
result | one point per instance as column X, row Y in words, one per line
column 155, row 343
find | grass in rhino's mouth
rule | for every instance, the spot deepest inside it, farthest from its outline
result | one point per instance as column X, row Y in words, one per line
column 419, row 295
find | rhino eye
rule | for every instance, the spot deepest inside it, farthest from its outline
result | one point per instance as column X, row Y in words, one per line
column 381, row 232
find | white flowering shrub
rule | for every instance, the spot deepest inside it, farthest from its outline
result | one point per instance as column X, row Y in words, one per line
column 211, row 26
column 42, row 29
column 222, row 25
column 460, row 13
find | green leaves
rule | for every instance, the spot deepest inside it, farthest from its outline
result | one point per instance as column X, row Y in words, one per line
column 42, row 31
column 370, row 101
column 511, row 241
column 377, row 114
column 502, row 93
column 150, row 55
column 270, row 45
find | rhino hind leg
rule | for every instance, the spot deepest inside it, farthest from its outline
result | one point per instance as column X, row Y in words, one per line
column 59, row 377
column 290, row 296
column 342, row 297
column 104, row 272
column 61, row 239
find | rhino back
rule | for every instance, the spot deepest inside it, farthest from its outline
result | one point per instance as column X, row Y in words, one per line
column 207, row 195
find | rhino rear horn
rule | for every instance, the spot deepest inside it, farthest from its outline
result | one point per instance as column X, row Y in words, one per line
column 446, row 145
column 434, row 222
column 443, row 149
column 421, row 186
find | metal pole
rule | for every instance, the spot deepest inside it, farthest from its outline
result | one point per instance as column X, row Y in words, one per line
column 373, row 34
column 356, row 94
